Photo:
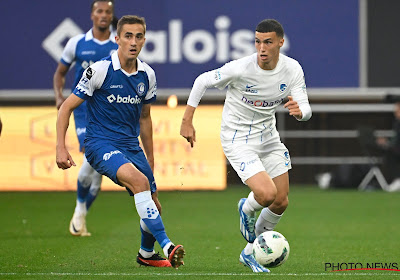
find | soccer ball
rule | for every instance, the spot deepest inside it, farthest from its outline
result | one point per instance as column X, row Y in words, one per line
column 271, row 249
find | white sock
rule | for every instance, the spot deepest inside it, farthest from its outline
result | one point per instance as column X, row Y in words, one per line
column 146, row 254
column 80, row 208
column 166, row 247
column 248, row 250
column 251, row 206
column 267, row 220
column 144, row 203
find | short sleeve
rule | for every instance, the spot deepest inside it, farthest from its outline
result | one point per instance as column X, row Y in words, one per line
column 92, row 79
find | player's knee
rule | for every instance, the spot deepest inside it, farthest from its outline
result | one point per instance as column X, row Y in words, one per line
column 280, row 204
column 138, row 184
column 266, row 196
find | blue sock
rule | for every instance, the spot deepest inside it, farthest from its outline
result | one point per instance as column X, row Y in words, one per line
column 148, row 240
column 89, row 200
column 94, row 188
column 148, row 212
column 82, row 192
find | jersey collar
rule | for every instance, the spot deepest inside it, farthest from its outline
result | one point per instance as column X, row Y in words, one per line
column 89, row 36
column 117, row 64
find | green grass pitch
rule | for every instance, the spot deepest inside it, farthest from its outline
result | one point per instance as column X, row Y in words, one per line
column 321, row 227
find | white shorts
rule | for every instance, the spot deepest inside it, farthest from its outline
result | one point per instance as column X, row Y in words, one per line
column 248, row 160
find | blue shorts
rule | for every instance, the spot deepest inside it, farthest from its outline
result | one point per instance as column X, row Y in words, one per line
column 80, row 117
column 106, row 159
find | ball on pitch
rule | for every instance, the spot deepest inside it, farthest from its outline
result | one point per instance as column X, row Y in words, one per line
column 271, row 249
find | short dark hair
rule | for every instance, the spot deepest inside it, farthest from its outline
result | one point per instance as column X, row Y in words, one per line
column 130, row 20
column 270, row 25
column 95, row 1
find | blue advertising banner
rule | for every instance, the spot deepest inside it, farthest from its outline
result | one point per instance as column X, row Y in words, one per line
column 186, row 38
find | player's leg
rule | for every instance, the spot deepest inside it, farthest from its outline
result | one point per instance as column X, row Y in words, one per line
column 263, row 192
column 77, row 225
column 247, row 164
column 94, row 189
column 271, row 215
column 276, row 164
column 134, row 180
column 78, row 222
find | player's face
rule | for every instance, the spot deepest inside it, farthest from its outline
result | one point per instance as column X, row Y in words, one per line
column 102, row 14
column 130, row 40
column 268, row 46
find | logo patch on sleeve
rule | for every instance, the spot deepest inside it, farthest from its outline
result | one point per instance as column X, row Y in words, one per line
column 89, row 73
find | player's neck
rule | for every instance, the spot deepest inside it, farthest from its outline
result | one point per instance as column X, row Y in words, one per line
column 129, row 65
column 101, row 34
column 268, row 66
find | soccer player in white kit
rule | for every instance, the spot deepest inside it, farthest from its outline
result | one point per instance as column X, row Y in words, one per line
column 257, row 85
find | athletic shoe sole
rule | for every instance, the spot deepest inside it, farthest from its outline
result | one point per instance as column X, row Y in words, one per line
column 176, row 256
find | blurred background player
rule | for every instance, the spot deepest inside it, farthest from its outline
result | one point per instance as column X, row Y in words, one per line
column 84, row 50
column 257, row 85
column 119, row 91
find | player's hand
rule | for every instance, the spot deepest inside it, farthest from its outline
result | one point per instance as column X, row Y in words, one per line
column 64, row 159
column 59, row 101
column 293, row 107
column 188, row 132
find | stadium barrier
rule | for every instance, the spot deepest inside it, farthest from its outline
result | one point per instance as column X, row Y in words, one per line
column 327, row 140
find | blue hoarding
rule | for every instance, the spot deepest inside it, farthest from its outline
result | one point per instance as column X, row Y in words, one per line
column 186, row 38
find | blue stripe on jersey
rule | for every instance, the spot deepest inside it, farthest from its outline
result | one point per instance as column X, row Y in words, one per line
column 262, row 131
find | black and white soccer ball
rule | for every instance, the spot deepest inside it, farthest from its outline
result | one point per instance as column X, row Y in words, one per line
column 271, row 249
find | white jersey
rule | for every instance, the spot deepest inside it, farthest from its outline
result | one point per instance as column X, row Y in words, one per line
column 252, row 98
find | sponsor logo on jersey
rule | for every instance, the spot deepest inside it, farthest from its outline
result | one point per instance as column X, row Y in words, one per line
column 80, row 130
column 249, row 88
column 127, row 99
column 282, row 87
column 93, row 52
column 82, row 85
column 140, row 89
column 89, row 72
column 261, row 103
column 117, row 86
column 107, row 156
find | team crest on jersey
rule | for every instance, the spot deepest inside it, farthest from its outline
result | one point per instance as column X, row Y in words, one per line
column 89, row 73
column 282, row 87
column 141, row 89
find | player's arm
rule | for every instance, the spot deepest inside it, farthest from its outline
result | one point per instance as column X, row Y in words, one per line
column 146, row 133
column 218, row 78
column 187, row 129
column 59, row 82
column 298, row 104
column 63, row 158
